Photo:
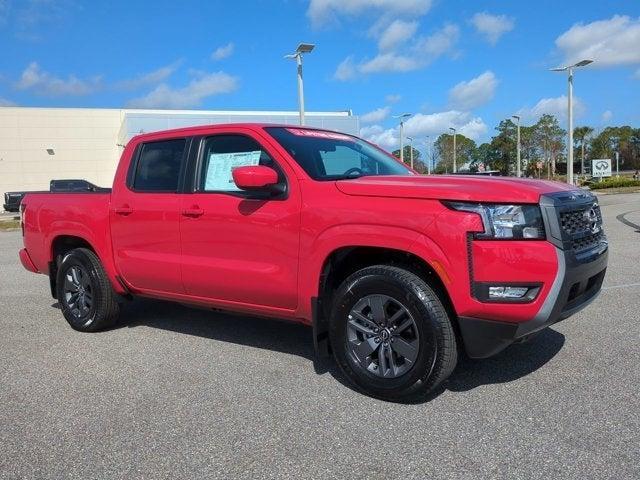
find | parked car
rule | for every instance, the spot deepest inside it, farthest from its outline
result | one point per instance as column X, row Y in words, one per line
column 72, row 185
column 397, row 273
column 12, row 199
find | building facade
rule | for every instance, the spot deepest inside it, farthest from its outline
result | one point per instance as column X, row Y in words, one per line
column 38, row 145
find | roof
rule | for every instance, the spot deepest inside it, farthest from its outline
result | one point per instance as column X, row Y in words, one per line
column 198, row 128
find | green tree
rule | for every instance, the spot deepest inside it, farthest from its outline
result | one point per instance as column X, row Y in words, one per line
column 443, row 150
column 503, row 148
column 625, row 140
column 581, row 137
column 549, row 137
column 407, row 155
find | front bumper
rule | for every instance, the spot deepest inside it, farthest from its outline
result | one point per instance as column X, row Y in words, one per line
column 582, row 262
column 577, row 285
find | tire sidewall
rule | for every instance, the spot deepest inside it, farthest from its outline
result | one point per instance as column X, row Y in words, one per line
column 78, row 258
column 377, row 283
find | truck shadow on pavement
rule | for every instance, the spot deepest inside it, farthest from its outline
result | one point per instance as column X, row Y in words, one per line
column 515, row 362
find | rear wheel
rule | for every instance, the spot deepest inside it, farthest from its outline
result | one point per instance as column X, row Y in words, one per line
column 84, row 292
column 390, row 333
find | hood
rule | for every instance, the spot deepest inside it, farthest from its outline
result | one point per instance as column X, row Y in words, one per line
column 453, row 187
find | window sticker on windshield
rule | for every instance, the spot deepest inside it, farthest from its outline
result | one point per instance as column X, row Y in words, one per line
column 219, row 171
column 303, row 132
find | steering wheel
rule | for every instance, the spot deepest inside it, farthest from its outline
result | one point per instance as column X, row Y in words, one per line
column 353, row 170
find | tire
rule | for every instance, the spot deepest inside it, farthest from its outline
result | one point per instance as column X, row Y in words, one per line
column 84, row 292
column 420, row 350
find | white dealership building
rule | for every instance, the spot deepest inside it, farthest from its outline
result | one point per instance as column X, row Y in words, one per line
column 41, row 144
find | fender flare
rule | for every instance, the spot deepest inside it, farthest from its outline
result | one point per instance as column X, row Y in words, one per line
column 101, row 248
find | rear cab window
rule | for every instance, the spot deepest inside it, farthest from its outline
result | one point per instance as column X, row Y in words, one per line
column 158, row 165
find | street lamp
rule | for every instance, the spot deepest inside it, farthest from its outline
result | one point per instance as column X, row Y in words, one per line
column 615, row 145
column 302, row 48
column 455, row 167
column 402, row 117
column 426, row 143
column 411, row 149
column 517, row 117
column 569, row 69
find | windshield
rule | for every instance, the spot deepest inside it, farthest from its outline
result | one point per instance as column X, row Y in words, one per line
column 334, row 156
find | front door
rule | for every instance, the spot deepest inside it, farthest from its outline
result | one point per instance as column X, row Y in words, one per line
column 240, row 248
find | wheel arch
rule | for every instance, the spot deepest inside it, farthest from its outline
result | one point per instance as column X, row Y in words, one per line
column 64, row 243
column 345, row 260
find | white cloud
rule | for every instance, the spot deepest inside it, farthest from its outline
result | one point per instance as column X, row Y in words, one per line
column 223, row 52
column 321, row 12
column 346, row 70
column 6, row 103
column 375, row 116
column 151, row 78
column 396, row 33
column 439, row 43
column 615, row 41
column 191, row 95
column 35, row 20
column 492, row 26
column 607, row 115
column 436, row 123
column 385, row 138
column 424, row 51
column 421, row 125
column 389, row 62
column 43, row 83
column 393, row 98
column 473, row 93
column 556, row 106
column 4, row 11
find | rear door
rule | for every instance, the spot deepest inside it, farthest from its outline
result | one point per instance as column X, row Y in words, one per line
column 145, row 212
column 240, row 247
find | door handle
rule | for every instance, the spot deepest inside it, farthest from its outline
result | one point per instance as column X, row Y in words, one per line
column 193, row 212
column 124, row 210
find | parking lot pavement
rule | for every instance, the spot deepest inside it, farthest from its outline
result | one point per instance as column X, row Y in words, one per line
column 184, row 393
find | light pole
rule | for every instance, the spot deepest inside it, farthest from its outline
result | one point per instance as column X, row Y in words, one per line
column 518, row 173
column 426, row 143
column 402, row 117
column 302, row 48
column 411, row 150
column 455, row 167
column 615, row 146
column 569, row 69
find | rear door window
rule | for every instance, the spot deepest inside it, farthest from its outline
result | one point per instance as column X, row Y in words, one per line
column 158, row 166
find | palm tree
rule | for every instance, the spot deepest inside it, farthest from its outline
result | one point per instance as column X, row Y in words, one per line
column 581, row 134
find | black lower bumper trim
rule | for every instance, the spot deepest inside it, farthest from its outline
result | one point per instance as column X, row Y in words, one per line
column 579, row 286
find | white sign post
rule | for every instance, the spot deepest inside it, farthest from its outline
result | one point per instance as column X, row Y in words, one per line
column 601, row 167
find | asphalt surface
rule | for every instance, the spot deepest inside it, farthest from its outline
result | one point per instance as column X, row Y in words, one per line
column 184, row 393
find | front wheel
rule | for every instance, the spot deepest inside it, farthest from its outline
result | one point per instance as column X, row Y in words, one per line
column 84, row 292
column 390, row 333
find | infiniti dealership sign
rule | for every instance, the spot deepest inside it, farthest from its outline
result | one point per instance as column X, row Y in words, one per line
column 601, row 167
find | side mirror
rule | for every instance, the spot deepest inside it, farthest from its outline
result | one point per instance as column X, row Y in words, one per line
column 254, row 177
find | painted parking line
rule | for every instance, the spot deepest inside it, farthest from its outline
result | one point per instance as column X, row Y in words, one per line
column 624, row 285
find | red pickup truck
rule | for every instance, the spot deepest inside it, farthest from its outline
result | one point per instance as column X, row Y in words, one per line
column 397, row 273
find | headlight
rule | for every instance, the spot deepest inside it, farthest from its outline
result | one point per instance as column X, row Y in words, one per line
column 505, row 221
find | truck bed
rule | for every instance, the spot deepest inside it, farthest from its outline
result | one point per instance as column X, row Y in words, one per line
column 51, row 214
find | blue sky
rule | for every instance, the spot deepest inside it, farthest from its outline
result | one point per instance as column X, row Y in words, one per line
column 451, row 63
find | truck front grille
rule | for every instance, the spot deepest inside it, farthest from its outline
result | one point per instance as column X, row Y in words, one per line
column 581, row 221
column 574, row 222
column 588, row 242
